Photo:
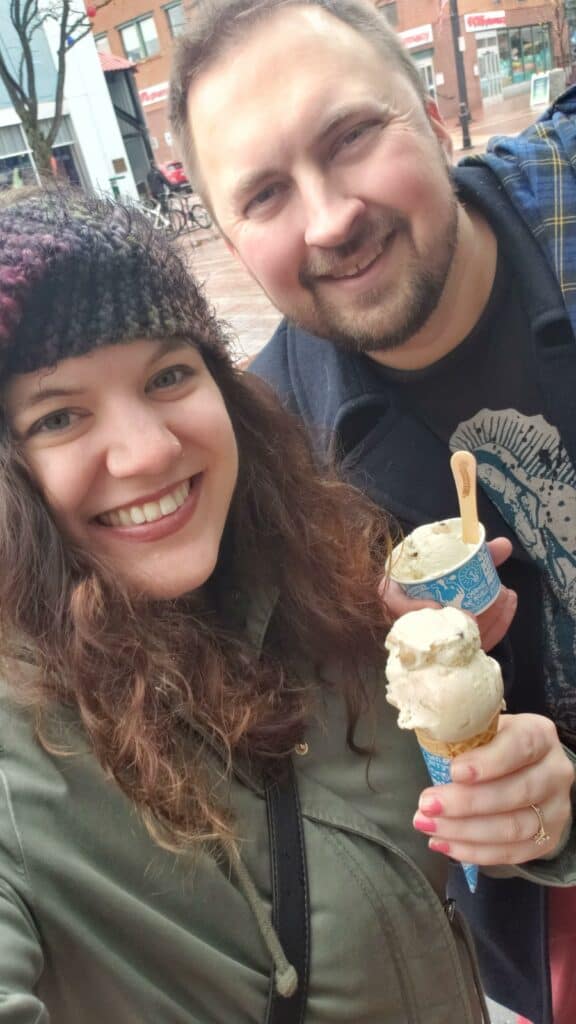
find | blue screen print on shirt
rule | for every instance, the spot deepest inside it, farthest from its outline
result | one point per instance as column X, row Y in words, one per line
column 527, row 474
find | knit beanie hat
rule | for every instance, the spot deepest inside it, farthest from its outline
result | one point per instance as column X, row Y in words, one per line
column 78, row 271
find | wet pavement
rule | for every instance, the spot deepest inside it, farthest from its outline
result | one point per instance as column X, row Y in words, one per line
column 236, row 297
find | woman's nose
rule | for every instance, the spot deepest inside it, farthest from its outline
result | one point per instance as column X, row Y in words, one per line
column 143, row 447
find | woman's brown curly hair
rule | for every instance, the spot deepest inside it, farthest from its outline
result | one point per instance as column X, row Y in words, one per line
column 157, row 685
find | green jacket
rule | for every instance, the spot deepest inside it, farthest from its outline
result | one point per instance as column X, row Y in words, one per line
column 98, row 924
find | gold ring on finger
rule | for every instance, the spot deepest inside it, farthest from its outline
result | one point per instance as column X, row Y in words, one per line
column 541, row 836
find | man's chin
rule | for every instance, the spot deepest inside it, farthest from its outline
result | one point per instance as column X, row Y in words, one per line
column 381, row 327
column 356, row 338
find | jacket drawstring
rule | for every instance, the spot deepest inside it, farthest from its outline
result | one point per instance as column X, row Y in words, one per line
column 285, row 976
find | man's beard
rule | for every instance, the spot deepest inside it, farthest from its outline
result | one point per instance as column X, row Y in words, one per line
column 391, row 315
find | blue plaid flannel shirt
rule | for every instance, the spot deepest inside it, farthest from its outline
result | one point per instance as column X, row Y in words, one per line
column 537, row 169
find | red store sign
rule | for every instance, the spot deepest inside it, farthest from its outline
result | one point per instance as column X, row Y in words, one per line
column 487, row 19
column 154, row 94
column 421, row 36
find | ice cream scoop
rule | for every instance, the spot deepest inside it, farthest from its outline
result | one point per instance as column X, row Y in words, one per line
column 445, row 688
column 439, row 678
column 430, row 549
column 434, row 563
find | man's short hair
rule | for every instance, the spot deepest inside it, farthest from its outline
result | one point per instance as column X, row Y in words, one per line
column 216, row 25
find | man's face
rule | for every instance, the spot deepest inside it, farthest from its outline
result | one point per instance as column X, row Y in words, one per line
column 328, row 179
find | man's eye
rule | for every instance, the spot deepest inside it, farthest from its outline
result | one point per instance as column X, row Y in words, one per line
column 171, row 377
column 352, row 136
column 263, row 197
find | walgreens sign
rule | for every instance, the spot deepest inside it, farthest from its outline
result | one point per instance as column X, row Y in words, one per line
column 154, row 94
column 481, row 21
column 414, row 37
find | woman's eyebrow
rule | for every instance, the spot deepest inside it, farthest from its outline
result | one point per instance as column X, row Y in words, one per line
column 46, row 393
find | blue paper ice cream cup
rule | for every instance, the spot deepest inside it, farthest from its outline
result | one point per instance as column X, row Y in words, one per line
column 472, row 583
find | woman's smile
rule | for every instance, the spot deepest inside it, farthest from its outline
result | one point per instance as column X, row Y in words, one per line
column 132, row 443
column 155, row 517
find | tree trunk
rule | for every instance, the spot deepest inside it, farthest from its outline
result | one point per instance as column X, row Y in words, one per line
column 40, row 149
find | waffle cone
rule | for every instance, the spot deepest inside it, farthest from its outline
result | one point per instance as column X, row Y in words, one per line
column 442, row 748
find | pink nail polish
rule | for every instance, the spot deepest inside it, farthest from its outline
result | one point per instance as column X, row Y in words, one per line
column 430, row 805
column 424, row 824
column 439, row 846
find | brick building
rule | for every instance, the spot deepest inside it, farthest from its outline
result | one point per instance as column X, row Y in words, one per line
column 143, row 31
column 505, row 42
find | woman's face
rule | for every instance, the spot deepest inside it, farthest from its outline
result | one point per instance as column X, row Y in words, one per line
column 135, row 454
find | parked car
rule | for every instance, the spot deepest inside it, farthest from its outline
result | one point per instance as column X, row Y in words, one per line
column 175, row 176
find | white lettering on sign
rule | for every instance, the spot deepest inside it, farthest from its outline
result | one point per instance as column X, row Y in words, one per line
column 483, row 20
column 421, row 36
column 154, row 94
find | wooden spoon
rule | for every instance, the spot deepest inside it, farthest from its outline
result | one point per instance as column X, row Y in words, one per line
column 463, row 466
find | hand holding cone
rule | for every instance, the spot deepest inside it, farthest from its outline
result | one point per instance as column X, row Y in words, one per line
column 445, row 688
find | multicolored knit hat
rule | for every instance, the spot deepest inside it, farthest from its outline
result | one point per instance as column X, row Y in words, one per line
column 79, row 271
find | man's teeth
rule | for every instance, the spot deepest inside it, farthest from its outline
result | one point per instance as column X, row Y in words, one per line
column 136, row 515
column 359, row 267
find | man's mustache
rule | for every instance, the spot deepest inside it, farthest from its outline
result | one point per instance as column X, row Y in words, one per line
column 369, row 234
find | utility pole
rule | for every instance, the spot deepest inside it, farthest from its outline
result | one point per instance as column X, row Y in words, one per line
column 464, row 113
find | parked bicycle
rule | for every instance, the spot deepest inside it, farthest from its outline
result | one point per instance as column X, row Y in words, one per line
column 192, row 210
column 165, row 215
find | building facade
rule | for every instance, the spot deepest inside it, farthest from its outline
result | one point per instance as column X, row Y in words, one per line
column 504, row 42
column 89, row 149
column 143, row 31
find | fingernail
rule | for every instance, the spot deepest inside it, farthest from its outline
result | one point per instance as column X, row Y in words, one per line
column 430, row 805
column 439, row 846
column 463, row 772
column 424, row 824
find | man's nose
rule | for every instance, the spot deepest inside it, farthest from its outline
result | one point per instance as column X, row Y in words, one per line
column 330, row 217
column 144, row 446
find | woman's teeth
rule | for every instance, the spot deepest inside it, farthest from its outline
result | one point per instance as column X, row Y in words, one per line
column 136, row 515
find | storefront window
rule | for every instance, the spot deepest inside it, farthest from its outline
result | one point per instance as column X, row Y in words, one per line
column 505, row 59
column 16, row 171
column 542, row 48
column 524, row 52
column 528, row 52
column 516, row 56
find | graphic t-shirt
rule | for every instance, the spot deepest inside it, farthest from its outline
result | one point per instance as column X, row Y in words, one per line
column 484, row 397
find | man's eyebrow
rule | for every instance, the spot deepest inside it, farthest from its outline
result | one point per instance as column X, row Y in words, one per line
column 345, row 113
column 249, row 183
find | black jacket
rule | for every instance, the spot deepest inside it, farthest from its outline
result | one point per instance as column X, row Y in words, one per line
column 349, row 406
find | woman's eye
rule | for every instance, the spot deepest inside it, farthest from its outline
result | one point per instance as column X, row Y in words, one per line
column 171, row 377
column 54, row 421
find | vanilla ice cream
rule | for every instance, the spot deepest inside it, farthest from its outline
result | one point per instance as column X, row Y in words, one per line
column 430, row 549
column 439, row 678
